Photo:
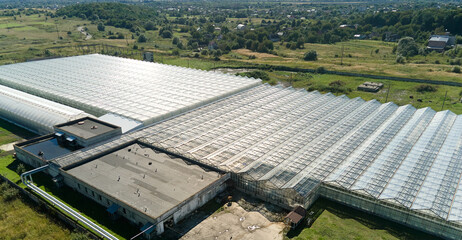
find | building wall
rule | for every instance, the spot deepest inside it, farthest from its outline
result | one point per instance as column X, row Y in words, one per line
column 137, row 217
column 391, row 212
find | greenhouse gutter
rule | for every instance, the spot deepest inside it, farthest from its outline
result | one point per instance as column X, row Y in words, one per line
column 26, row 178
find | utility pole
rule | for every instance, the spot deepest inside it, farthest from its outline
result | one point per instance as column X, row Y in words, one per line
column 388, row 92
column 444, row 100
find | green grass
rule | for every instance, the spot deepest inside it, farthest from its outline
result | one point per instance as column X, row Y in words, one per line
column 120, row 228
column 19, row 219
column 335, row 221
column 400, row 92
column 10, row 133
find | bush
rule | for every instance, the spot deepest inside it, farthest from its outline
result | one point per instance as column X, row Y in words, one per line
column 101, row 27
column 79, row 236
column 312, row 55
column 426, row 88
column 175, row 52
column 400, row 59
column 456, row 69
column 320, row 70
column 407, row 47
column 8, row 193
column 256, row 74
column 196, row 55
column 252, row 57
column 20, row 169
column 142, row 38
column 166, row 34
column 204, row 52
column 337, row 83
column 456, row 61
column 175, row 40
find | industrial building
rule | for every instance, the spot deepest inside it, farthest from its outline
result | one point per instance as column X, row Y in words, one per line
column 286, row 146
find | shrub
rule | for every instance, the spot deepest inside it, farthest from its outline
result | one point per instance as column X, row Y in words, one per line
column 455, row 61
column 426, row 88
column 204, row 52
column 20, row 169
column 320, row 70
column 79, row 236
column 312, row 55
column 175, row 52
column 337, row 83
column 175, row 40
column 8, row 193
column 400, row 59
column 456, row 69
column 252, row 57
column 257, row 74
column 142, row 38
column 100, row 27
column 407, row 47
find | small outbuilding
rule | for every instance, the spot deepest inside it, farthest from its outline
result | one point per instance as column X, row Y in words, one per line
column 295, row 217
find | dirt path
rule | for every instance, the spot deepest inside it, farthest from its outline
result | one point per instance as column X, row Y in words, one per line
column 87, row 35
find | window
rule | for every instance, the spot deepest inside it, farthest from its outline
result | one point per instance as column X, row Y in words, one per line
column 78, row 185
column 125, row 211
column 100, row 198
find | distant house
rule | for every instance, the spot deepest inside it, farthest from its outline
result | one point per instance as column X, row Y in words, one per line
column 391, row 37
column 359, row 36
column 294, row 218
column 440, row 42
column 240, row 27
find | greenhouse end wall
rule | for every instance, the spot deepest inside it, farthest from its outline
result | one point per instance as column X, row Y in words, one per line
column 392, row 212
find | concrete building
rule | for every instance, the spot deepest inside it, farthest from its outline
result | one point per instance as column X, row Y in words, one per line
column 147, row 187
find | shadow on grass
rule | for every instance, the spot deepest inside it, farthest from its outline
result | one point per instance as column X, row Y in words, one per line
column 371, row 221
column 18, row 131
column 121, row 226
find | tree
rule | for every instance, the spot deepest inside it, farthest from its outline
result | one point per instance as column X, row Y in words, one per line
column 312, row 55
column 101, row 27
column 175, row 40
column 150, row 26
column 407, row 47
column 142, row 38
column 166, row 34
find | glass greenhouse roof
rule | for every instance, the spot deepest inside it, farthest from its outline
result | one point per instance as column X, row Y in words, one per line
column 299, row 140
column 101, row 84
column 34, row 113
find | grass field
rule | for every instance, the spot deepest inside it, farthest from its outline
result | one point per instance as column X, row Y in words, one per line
column 10, row 133
column 337, row 222
column 20, row 220
column 121, row 228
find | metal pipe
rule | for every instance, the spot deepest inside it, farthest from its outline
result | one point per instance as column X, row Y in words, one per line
column 62, row 206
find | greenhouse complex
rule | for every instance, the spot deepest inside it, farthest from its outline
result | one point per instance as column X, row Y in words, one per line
column 284, row 145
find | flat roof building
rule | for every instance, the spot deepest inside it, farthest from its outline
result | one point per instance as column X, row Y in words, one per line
column 144, row 185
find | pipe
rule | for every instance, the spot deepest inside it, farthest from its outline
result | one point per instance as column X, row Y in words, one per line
column 62, row 206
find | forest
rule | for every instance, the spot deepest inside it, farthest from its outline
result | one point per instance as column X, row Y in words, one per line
column 305, row 24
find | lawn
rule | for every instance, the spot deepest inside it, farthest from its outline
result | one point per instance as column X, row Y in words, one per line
column 335, row 221
column 10, row 133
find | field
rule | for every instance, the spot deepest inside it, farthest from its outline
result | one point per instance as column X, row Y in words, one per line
column 20, row 220
column 10, row 133
column 337, row 222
